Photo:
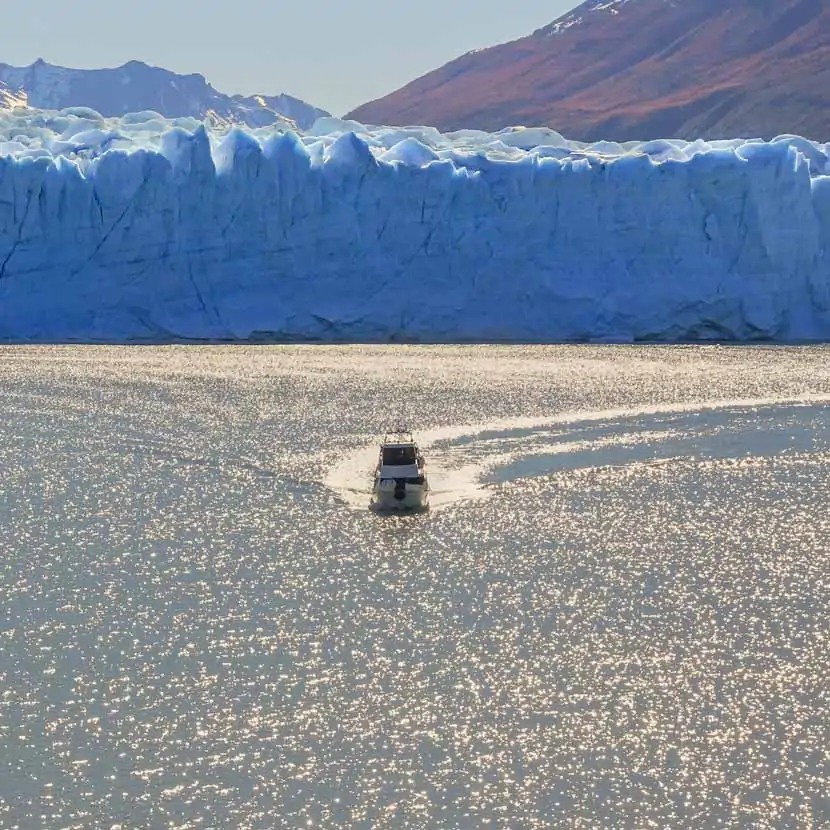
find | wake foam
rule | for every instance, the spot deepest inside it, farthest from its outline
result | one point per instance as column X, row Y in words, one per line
column 467, row 463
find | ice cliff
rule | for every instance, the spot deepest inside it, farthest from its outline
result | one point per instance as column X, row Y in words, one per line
column 141, row 228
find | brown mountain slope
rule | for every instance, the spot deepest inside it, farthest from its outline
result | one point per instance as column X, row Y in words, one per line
column 640, row 69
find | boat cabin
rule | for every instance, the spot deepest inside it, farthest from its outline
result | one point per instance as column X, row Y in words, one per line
column 399, row 455
column 400, row 452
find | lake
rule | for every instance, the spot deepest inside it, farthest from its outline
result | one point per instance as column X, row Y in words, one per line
column 616, row 613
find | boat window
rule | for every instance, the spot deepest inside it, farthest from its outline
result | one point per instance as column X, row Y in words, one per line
column 396, row 456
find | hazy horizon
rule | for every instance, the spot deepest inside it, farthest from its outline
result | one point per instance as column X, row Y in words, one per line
column 331, row 56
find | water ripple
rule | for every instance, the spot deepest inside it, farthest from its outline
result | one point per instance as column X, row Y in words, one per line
column 630, row 630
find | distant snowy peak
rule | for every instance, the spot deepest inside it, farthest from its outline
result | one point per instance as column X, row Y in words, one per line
column 137, row 87
column 579, row 14
column 294, row 109
column 43, row 85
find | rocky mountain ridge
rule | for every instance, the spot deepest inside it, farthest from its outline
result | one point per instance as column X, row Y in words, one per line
column 136, row 86
column 639, row 69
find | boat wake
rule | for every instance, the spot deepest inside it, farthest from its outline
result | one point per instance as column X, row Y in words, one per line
column 469, row 462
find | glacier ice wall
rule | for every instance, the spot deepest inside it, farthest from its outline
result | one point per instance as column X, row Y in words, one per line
column 141, row 228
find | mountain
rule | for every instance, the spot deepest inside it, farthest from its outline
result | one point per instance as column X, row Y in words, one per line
column 135, row 87
column 9, row 99
column 639, row 69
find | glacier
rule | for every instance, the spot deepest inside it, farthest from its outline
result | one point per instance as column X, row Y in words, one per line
column 147, row 229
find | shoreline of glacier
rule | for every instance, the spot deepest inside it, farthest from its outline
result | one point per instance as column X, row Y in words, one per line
column 146, row 230
column 266, row 339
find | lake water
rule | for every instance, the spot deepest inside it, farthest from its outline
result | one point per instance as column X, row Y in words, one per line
column 617, row 613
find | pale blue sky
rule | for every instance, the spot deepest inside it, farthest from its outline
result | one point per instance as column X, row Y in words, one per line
column 334, row 54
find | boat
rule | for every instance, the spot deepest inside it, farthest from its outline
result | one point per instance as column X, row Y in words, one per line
column 400, row 480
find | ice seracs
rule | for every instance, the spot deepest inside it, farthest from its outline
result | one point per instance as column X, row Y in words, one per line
column 400, row 481
column 141, row 228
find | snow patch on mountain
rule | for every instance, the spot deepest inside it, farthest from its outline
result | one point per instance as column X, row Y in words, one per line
column 578, row 15
column 9, row 98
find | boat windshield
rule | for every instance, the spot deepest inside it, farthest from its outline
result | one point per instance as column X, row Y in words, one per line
column 398, row 456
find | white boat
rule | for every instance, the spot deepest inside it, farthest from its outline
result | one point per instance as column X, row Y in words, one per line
column 400, row 481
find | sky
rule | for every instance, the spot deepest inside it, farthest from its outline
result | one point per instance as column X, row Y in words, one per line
column 335, row 55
